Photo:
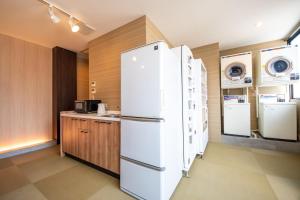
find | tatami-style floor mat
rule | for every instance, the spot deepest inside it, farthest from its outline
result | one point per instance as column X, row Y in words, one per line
column 226, row 172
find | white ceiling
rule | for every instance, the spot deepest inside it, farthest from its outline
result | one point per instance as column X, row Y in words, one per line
column 232, row 23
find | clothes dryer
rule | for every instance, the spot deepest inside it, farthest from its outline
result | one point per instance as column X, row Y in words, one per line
column 278, row 66
column 236, row 71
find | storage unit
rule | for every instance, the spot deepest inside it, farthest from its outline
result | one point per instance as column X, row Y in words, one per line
column 236, row 70
column 201, row 109
column 93, row 140
column 190, row 139
column 278, row 120
column 237, row 119
column 278, row 66
column 64, row 85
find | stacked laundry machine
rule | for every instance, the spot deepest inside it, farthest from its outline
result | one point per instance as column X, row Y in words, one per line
column 236, row 71
column 277, row 115
column 278, row 66
column 236, row 74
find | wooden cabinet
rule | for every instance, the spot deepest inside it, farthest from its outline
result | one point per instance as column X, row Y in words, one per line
column 64, row 84
column 76, row 137
column 95, row 141
column 114, row 142
column 70, row 136
column 84, row 140
column 99, row 143
column 105, row 144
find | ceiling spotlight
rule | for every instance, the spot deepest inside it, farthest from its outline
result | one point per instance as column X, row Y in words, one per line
column 55, row 19
column 74, row 27
column 259, row 24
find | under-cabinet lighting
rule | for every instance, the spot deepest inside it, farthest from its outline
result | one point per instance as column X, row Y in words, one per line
column 4, row 149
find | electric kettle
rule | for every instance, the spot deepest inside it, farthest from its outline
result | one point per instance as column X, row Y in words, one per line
column 101, row 109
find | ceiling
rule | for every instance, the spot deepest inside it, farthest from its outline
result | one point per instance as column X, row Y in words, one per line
column 232, row 23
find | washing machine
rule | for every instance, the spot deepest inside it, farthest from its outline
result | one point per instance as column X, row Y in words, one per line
column 236, row 70
column 278, row 66
column 236, row 116
column 278, row 120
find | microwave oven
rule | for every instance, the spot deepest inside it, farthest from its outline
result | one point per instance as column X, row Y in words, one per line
column 86, row 106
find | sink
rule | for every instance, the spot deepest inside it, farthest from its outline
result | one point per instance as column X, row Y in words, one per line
column 111, row 115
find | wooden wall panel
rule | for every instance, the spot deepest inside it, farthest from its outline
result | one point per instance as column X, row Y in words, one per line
column 25, row 92
column 153, row 33
column 210, row 56
column 105, row 62
column 82, row 78
column 252, row 93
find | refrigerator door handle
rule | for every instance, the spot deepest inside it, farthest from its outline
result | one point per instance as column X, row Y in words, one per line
column 143, row 164
column 143, row 119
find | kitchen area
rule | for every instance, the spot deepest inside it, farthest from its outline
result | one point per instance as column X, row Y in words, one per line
column 154, row 130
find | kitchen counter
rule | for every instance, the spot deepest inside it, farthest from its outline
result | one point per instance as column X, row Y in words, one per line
column 91, row 115
column 94, row 139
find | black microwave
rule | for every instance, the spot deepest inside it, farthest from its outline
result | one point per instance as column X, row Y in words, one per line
column 86, row 106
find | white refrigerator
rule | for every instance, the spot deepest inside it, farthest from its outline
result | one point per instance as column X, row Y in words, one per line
column 151, row 122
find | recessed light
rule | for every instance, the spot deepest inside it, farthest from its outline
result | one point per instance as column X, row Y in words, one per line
column 134, row 58
column 259, row 24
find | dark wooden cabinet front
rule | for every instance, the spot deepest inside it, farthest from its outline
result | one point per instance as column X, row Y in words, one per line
column 64, row 87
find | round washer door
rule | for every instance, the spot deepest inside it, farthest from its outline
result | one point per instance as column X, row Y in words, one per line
column 235, row 71
column 279, row 66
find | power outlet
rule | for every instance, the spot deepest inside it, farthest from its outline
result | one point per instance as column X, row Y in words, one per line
column 93, row 84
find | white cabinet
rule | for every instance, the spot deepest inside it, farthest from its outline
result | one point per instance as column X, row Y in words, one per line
column 278, row 120
column 237, row 119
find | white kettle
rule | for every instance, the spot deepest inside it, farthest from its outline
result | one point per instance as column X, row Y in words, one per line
column 101, row 109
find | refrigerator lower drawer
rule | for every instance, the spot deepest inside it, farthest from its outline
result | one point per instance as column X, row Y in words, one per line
column 142, row 182
column 143, row 141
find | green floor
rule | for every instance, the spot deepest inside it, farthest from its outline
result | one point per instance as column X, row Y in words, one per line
column 226, row 172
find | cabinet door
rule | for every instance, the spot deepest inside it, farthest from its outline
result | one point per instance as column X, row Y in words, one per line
column 70, row 135
column 105, row 144
column 99, row 143
column 94, row 146
column 66, row 134
column 84, row 139
column 114, row 147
